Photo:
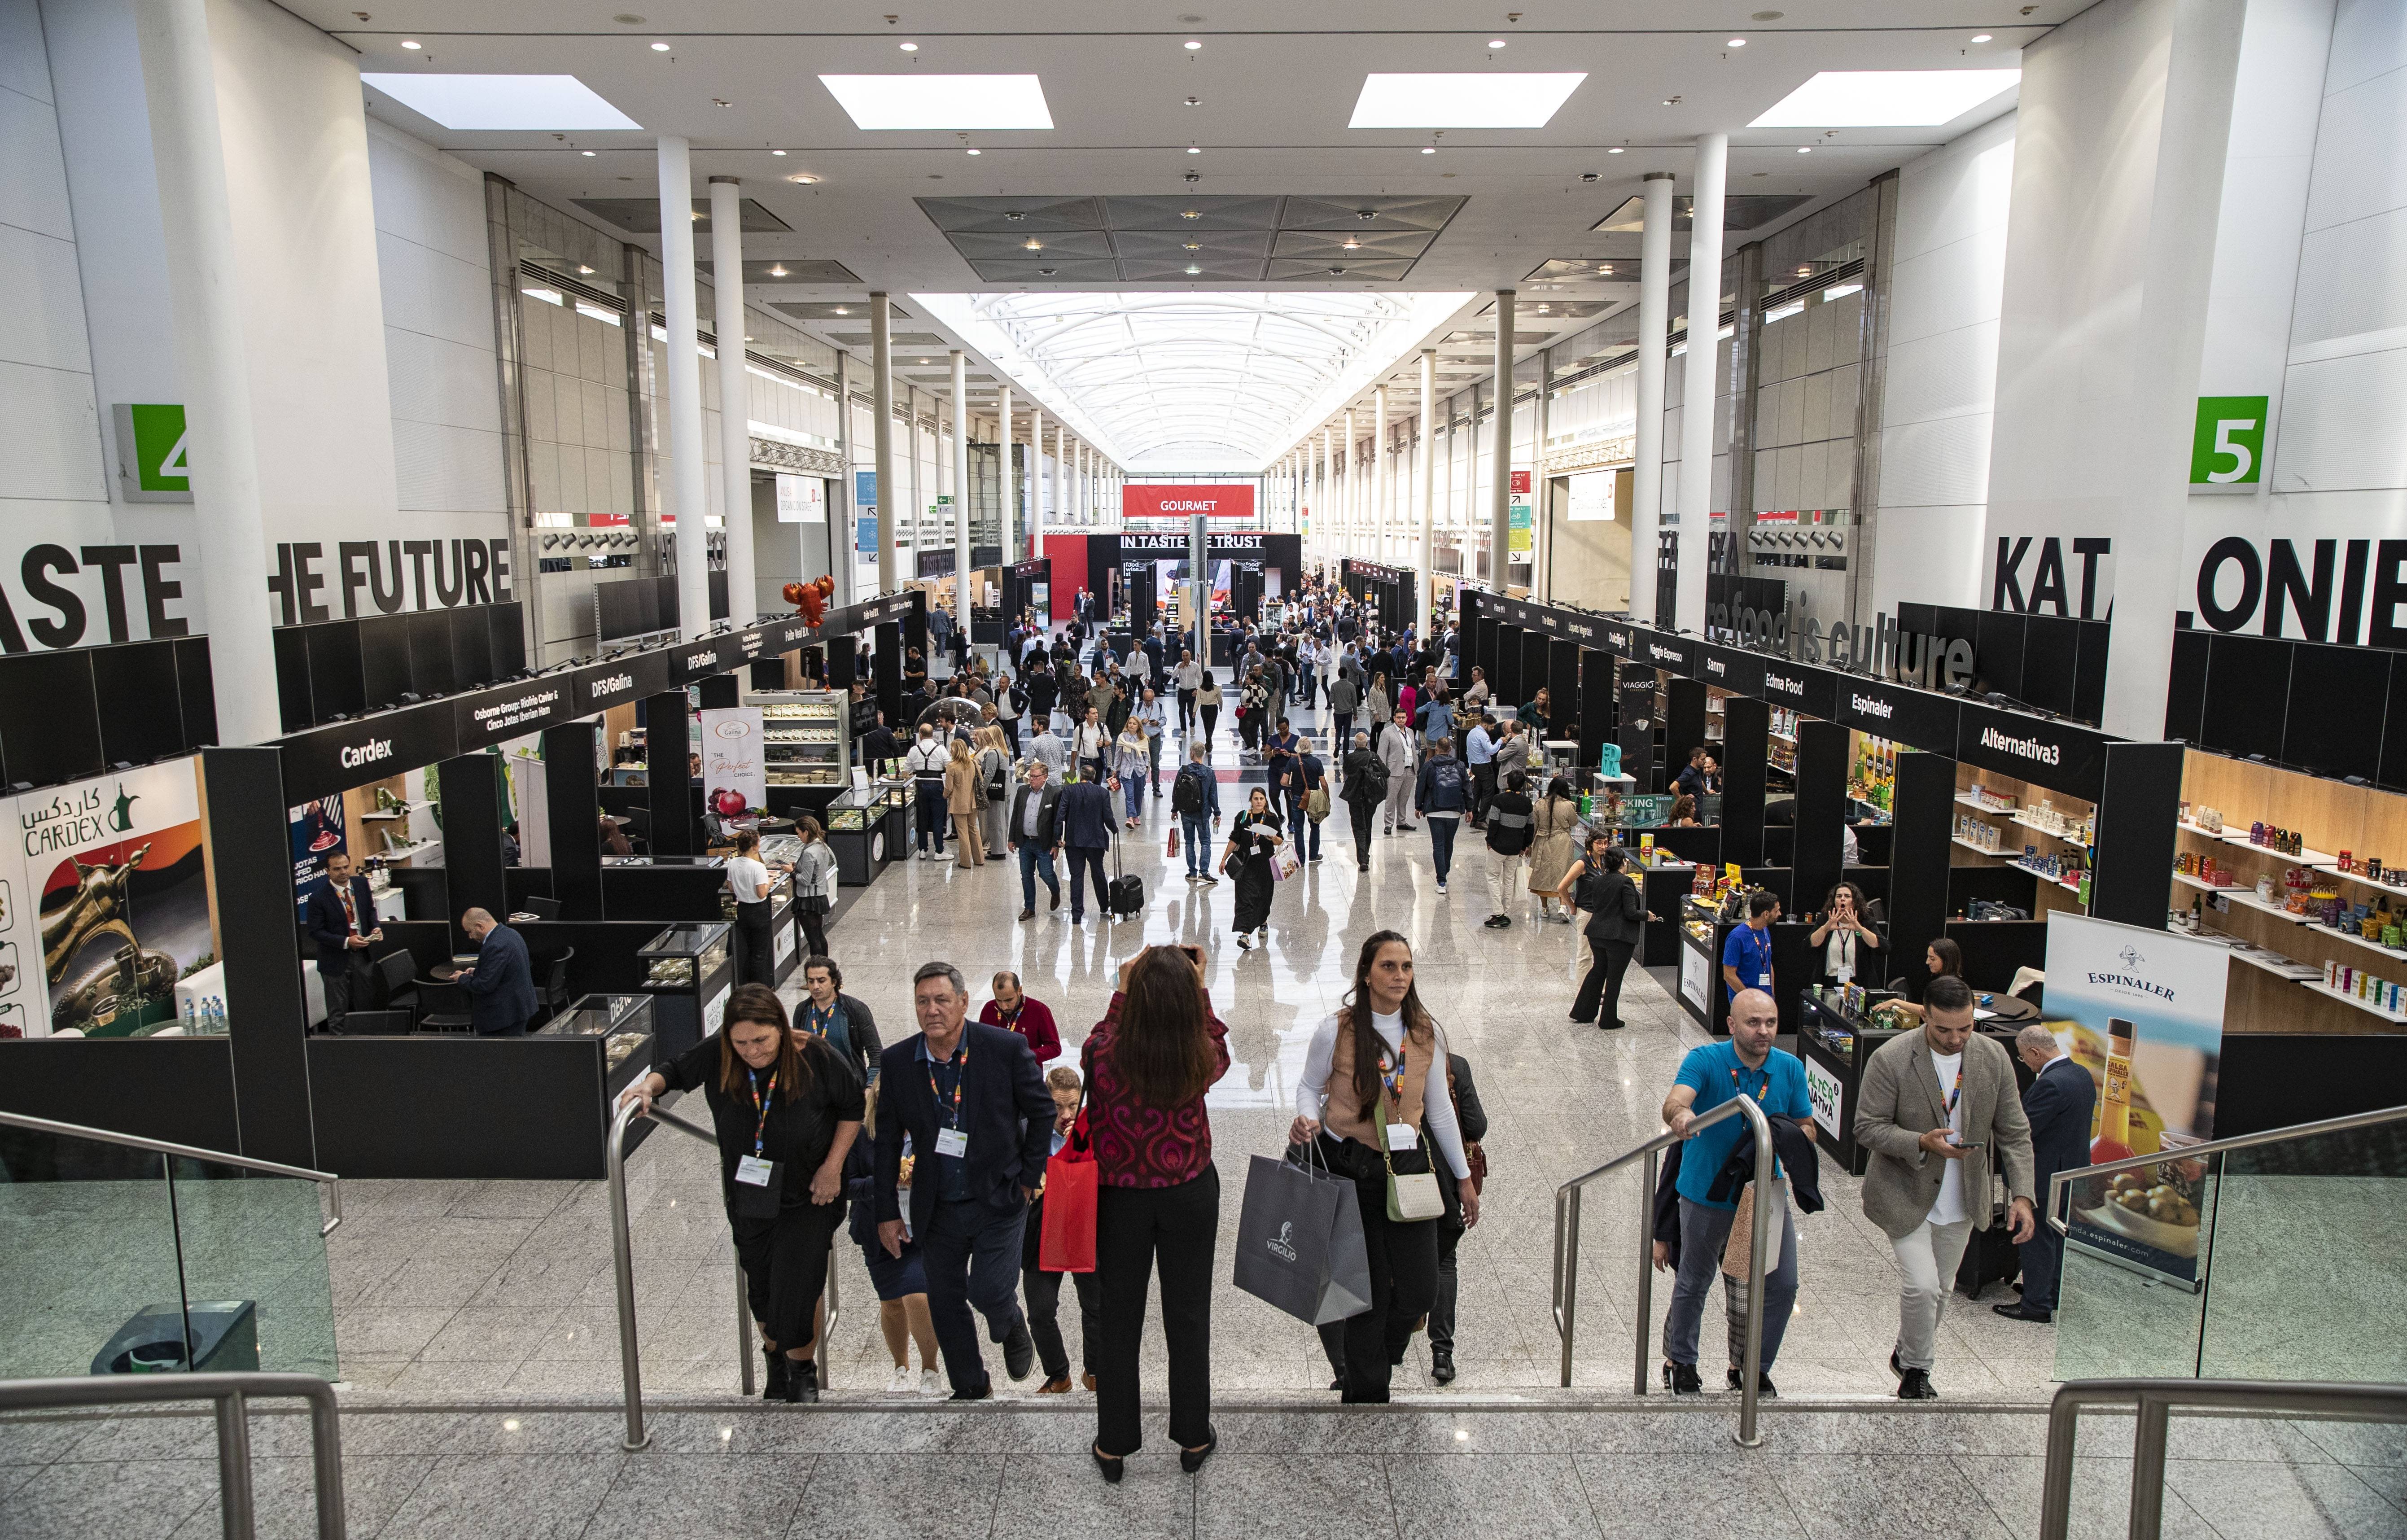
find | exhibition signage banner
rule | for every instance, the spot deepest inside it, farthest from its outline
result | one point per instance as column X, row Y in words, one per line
column 104, row 903
column 2142, row 1012
column 1169, row 500
column 734, row 776
column 801, row 499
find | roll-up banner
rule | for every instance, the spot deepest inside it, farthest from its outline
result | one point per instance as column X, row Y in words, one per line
column 1909, row 717
column 2140, row 1011
column 734, row 777
column 2062, row 756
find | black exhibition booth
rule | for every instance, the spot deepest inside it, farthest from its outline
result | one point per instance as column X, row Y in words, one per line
column 1019, row 586
column 639, row 949
column 1139, row 561
column 1385, row 590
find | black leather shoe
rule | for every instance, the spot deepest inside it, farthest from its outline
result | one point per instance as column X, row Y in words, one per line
column 1894, row 1366
column 1681, row 1379
column 1018, row 1352
column 1111, row 1465
column 1191, row 1461
column 1765, row 1389
column 1442, row 1366
column 801, row 1381
column 1916, row 1386
column 773, row 1382
column 984, row 1392
column 2024, row 1311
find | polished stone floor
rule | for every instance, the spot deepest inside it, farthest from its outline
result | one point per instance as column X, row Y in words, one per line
column 465, row 1290
column 1015, row 1471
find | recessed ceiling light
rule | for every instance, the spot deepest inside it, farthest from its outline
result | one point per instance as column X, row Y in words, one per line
column 720, row 101
column 1195, row 150
column 1353, row 243
column 909, row 47
column 503, row 101
column 1615, row 150
column 1605, row 267
column 1337, row 270
column 1496, row 42
column 1191, row 213
column 1014, row 216
column 1032, row 244
column 1735, row 42
column 777, row 152
column 975, row 150
column 1461, row 101
column 411, row 44
column 589, row 155
column 842, row 312
column 1191, row 45
column 1981, row 37
column 1805, row 272
column 807, row 178
column 776, row 270
column 584, row 270
column 1192, row 268
column 1429, row 150
column 659, row 47
column 1886, row 98
column 1804, row 150
column 1195, row 101
column 923, row 361
column 1193, row 245
column 1048, row 272
column 897, row 102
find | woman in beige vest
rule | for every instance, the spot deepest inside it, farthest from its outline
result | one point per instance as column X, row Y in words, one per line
column 1370, row 1061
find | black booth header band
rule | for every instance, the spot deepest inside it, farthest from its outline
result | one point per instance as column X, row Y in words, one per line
column 2062, row 756
column 1379, row 572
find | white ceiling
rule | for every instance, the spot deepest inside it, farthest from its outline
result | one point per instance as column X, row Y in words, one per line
column 1275, row 84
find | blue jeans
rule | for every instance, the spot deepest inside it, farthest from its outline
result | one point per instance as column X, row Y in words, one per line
column 1196, row 834
column 1132, row 789
column 1703, row 1233
column 1441, row 832
column 1035, row 861
column 1302, row 832
column 971, row 1253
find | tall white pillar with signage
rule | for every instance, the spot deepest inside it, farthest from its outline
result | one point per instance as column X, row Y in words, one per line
column 1198, row 588
column 1654, row 329
column 1696, row 500
column 1035, row 480
column 1499, row 485
column 1006, row 479
column 687, row 489
column 1425, row 486
column 1542, row 535
column 962, row 490
column 734, row 395
column 843, row 547
column 1353, row 481
column 1325, row 526
column 881, row 393
column 916, row 510
column 180, row 86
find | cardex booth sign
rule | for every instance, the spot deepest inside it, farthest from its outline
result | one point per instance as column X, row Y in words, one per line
column 1165, row 500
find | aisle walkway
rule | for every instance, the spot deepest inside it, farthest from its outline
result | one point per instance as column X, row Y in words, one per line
column 494, row 1290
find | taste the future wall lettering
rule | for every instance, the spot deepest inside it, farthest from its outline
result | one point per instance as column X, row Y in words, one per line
column 63, row 596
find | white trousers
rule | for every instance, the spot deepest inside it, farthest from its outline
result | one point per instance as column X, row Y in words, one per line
column 1929, row 1254
column 1506, row 875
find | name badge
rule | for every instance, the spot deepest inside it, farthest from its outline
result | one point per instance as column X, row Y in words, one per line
column 1402, row 1136
column 752, row 1171
column 1764, row 979
column 954, row 1142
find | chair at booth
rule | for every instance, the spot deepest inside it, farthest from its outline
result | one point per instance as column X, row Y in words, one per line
column 397, row 972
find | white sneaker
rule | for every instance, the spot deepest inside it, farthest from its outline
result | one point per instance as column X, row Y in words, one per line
column 901, row 1383
column 1441, row 889
column 933, row 1384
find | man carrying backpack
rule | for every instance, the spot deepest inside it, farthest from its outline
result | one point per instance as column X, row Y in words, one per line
column 1362, row 781
column 1195, row 797
column 1444, row 793
column 1308, row 803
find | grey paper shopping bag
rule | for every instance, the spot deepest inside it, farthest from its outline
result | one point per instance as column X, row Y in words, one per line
column 1299, row 1242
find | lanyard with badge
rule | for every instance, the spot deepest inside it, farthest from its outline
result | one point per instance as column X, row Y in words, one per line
column 759, row 1181
column 953, row 1141
column 1758, row 944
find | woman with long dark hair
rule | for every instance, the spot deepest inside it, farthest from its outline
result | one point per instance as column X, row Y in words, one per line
column 1254, row 843
column 1373, row 1102
column 1149, row 1062
column 785, row 1112
column 1616, row 925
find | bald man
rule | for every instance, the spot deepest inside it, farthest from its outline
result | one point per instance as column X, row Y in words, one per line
column 1746, row 1064
column 2059, row 1104
column 499, row 984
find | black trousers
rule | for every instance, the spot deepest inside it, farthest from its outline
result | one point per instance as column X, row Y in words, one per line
column 1083, row 859
column 2043, row 1260
column 1363, row 813
column 932, row 818
column 785, row 1264
column 814, row 930
column 1483, row 789
column 1042, row 1291
column 759, row 955
column 1607, row 961
column 1010, row 726
column 1404, row 1275
column 1136, row 1229
column 1440, row 1327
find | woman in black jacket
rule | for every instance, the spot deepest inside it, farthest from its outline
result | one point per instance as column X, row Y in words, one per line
column 1617, row 917
column 1512, row 824
column 786, row 1111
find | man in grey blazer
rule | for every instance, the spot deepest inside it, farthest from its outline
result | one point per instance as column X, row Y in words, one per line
column 1940, row 1111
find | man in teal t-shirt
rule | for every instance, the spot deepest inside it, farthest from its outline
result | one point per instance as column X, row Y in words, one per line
column 1746, row 1064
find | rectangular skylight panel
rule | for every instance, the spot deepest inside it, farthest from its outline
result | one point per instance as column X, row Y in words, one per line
column 1886, row 98
column 949, row 102
column 554, row 103
column 1461, row 101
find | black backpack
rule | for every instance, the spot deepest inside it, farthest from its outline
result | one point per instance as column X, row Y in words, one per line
column 1187, row 795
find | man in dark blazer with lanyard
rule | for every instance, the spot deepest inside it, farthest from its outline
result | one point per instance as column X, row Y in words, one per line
column 981, row 1126
column 343, row 922
column 2059, row 1104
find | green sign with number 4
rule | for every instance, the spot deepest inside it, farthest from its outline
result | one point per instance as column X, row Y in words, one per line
column 2228, row 450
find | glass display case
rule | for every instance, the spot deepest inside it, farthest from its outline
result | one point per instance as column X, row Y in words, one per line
column 860, row 831
column 807, row 736
column 1836, row 1041
column 622, row 1023
column 688, row 971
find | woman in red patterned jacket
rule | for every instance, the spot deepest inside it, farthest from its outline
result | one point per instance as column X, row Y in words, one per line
column 1149, row 1062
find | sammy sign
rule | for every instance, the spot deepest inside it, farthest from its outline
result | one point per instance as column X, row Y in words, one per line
column 2141, row 1011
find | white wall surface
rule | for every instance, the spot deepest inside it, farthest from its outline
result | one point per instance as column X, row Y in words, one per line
column 1945, row 280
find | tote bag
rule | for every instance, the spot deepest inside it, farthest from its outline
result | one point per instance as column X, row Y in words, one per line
column 1071, row 1181
column 1300, row 1241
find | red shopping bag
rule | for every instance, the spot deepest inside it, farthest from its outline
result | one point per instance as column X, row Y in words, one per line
column 1071, row 1181
column 1174, row 842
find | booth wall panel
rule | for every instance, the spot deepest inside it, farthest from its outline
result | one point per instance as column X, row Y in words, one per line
column 137, row 701
column 251, row 870
column 291, row 646
column 384, row 660
column 1596, row 703
column 2051, row 663
column 432, row 669
column 1821, row 805
column 1746, row 727
column 176, row 1088
column 1563, row 688
column 2334, row 724
column 667, row 786
column 2185, row 692
column 336, row 684
column 197, row 687
column 2089, row 675
column 574, row 814
column 2248, row 679
column 446, row 1106
column 1995, row 949
column 2138, row 812
column 1998, row 649
column 1919, row 851
column 1684, row 725
column 472, row 839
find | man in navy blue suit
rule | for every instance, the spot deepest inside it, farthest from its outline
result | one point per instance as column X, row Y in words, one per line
column 1086, row 830
column 499, row 984
column 342, row 921
column 981, row 1122
column 2059, row 1104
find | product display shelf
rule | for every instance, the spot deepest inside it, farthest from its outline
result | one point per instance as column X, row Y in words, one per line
column 2071, row 885
column 2301, row 857
column 2332, row 868
column 807, row 736
column 1977, row 849
column 2368, row 1006
column 374, row 814
column 2246, row 898
column 2022, row 823
column 2257, row 956
column 1966, row 800
column 405, row 852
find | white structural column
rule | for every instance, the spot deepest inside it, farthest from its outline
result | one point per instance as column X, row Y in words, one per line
column 1654, row 328
column 1541, row 523
column 881, row 396
column 735, row 395
column 909, row 567
column 1325, row 526
column 1006, row 479
column 1380, row 477
column 180, row 86
column 1696, row 501
column 686, row 490
column 962, row 490
column 1425, row 485
column 1500, row 482
column 1035, row 480
column 844, row 554
column 1353, row 509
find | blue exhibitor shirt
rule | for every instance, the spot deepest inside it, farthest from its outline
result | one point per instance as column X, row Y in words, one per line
column 1749, row 952
column 1716, row 1074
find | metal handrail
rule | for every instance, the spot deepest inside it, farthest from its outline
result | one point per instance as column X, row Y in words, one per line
column 623, row 1259
column 327, row 1180
column 1566, row 1270
column 233, row 1394
column 2064, row 1179
column 2155, row 1400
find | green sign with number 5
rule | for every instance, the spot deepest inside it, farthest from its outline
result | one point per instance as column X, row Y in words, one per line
column 2229, row 448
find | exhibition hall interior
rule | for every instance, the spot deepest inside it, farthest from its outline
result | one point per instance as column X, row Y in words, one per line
column 690, row 695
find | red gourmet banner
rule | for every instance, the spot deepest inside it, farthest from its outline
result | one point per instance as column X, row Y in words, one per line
column 1165, row 500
